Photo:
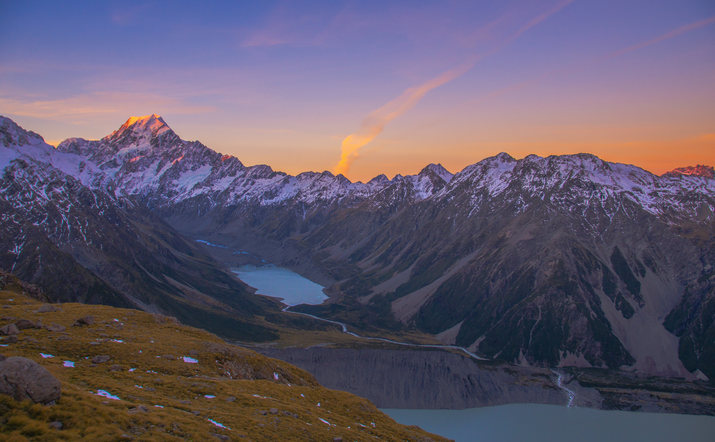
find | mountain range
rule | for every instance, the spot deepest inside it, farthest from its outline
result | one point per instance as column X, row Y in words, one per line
column 558, row 261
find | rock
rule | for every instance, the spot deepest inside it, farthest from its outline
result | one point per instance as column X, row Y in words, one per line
column 138, row 409
column 100, row 359
column 193, row 353
column 24, row 378
column 115, row 368
column 263, row 412
column 150, row 389
column 186, row 402
column 231, row 399
column 273, row 410
column 158, row 381
column 23, row 324
column 55, row 328
column 2, row 358
column 8, row 318
column 169, row 357
column 337, row 439
column 86, row 320
column 64, row 338
column 196, row 412
column 94, row 343
column 57, row 425
column 47, row 308
column 222, row 437
column 9, row 330
column 10, row 339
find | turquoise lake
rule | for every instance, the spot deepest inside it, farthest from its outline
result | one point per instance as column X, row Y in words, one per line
column 552, row 423
column 281, row 283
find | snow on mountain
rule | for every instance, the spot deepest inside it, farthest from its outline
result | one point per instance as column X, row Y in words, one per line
column 17, row 143
column 145, row 157
column 592, row 181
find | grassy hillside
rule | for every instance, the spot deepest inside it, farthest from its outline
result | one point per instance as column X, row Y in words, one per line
column 230, row 392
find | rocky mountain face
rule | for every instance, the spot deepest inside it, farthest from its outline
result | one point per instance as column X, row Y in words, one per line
column 545, row 261
column 557, row 261
column 67, row 229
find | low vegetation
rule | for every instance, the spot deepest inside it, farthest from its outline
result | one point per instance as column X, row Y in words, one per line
column 160, row 380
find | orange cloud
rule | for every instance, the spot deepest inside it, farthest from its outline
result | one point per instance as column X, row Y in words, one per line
column 78, row 108
column 374, row 123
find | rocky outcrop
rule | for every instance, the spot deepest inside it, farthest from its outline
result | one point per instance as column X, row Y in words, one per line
column 24, row 378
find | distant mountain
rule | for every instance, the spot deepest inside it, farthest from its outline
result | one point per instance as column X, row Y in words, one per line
column 564, row 260
column 704, row 171
column 68, row 229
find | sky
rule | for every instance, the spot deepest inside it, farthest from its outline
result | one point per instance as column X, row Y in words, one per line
column 370, row 87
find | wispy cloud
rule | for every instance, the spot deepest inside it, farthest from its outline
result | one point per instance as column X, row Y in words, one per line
column 86, row 107
column 671, row 34
column 575, row 68
column 375, row 122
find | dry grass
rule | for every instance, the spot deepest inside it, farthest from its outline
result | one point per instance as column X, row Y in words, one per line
column 139, row 343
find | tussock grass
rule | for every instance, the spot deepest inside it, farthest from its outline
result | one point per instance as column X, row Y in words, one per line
column 149, row 351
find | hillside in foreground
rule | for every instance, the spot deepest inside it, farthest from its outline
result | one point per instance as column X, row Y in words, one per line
column 132, row 375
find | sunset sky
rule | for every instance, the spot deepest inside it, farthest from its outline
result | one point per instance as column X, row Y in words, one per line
column 386, row 86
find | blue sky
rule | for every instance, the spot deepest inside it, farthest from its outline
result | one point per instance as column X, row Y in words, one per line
column 285, row 83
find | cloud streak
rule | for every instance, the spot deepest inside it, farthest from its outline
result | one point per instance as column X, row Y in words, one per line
column 671, row 34
column 376, row 121
column 79, row 108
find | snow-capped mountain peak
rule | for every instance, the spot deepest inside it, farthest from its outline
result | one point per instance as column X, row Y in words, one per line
column 438, row 170
column 148, row 126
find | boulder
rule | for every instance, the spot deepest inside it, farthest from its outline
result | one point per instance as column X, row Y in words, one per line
column 24, row 324
column 100, row 359
column 9, row 330
column 138, row 409
column 47, row 308
column 24, row 378
column 55, row 328
column 86, row 320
